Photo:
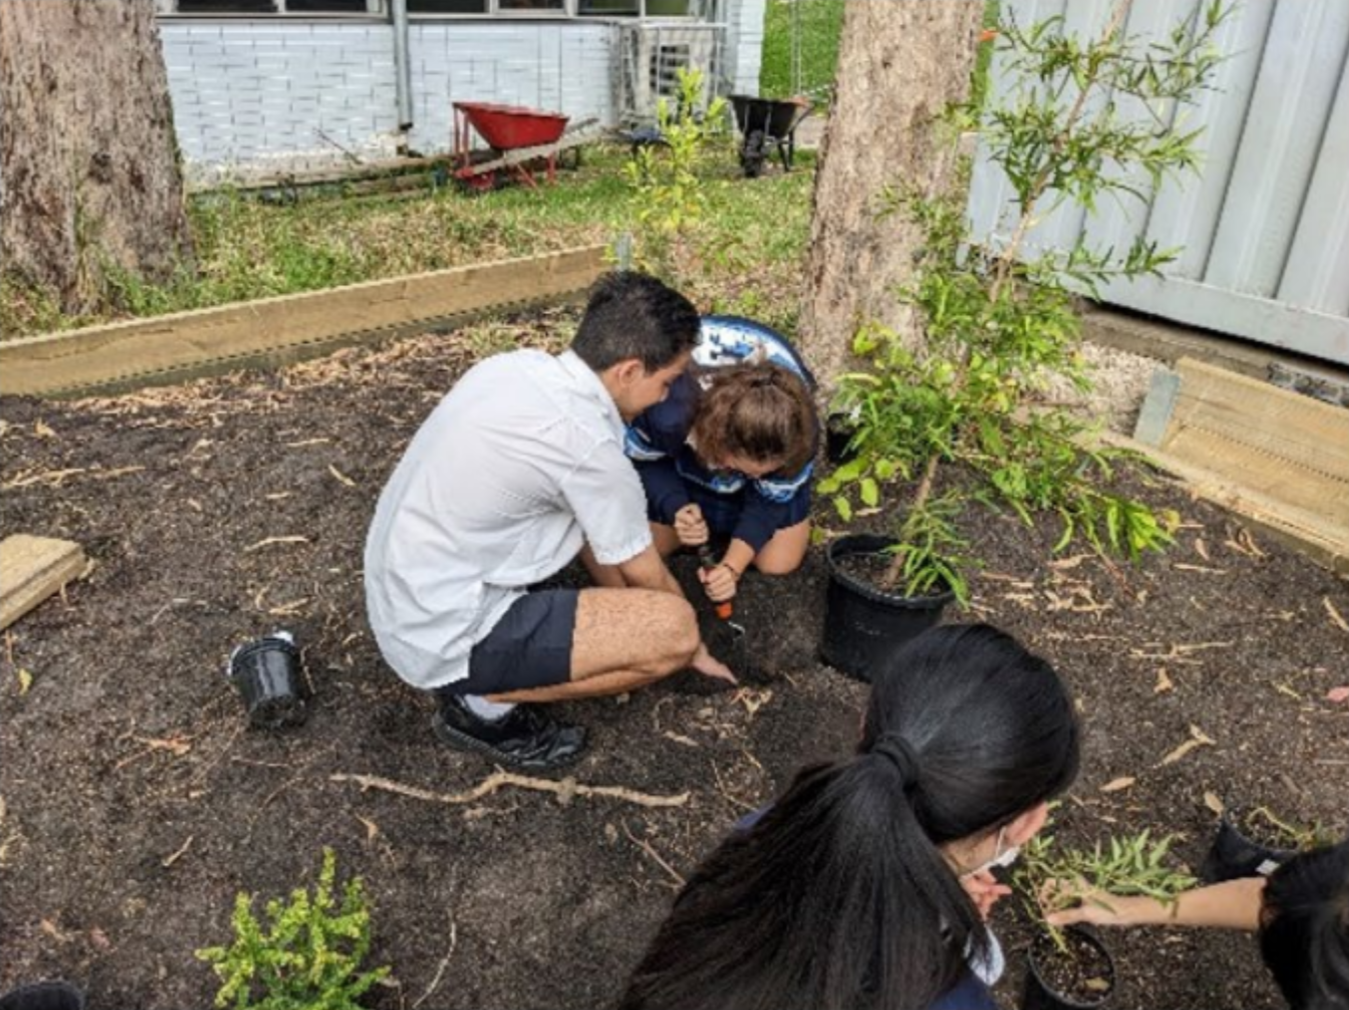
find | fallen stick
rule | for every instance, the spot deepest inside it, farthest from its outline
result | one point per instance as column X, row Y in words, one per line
column 565, row 790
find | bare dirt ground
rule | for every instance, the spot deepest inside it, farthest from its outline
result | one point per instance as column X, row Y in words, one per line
column 136, row 804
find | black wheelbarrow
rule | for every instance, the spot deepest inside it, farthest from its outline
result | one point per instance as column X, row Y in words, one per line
column 767, row 125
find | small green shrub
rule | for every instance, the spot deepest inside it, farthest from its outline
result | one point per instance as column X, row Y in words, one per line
column 307, row 956
column 667, row 179
column 1123, row 866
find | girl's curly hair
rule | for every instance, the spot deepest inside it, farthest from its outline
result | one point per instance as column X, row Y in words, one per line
column 760, row 412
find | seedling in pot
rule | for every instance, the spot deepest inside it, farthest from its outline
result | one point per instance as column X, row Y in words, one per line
column 1049, row 879
column 1255, row 841
column 1264, row 826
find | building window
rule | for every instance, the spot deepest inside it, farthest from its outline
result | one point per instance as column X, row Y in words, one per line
column 531, row 6
column 634, row 8
column 447, row 6
column 609, row 8
column 271, row 6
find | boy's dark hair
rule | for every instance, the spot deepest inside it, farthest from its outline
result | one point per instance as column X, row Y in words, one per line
column 839, row 897
column 761, row 412
column 633, row 315
column 1304, row 935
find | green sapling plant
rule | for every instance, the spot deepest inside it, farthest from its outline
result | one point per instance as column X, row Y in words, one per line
column 667, row 178
column 306, row 955
column 1050, row 878
column 998, row 318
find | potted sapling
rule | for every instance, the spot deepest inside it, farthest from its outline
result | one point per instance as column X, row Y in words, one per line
column 1255, row 841
column 1071, row 967
column 956, row 411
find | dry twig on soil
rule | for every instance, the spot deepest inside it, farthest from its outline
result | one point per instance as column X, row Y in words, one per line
column 565, row 789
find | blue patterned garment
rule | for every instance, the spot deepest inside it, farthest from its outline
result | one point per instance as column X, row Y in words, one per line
column 657, row 442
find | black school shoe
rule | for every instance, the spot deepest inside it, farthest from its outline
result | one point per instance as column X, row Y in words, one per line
column 524, row 739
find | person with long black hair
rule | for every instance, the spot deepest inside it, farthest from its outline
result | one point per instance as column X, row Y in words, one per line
column 866, row 886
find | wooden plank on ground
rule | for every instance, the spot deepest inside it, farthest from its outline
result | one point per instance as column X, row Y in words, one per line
column 190, row 343
column 1320, row 538
column 33, row 568
column 1287, row 447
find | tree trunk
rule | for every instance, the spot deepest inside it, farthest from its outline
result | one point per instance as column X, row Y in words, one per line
column 89, row 174
column 901, row 62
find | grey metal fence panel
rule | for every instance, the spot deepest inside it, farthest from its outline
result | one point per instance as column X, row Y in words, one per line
column 1264, row 228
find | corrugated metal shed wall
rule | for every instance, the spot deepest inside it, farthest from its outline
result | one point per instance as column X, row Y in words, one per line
column 1265, row 228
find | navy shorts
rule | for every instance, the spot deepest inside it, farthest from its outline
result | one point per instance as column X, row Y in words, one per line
column 529, row 647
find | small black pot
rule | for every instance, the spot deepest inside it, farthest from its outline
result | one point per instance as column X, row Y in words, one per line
column 43, row 996
column 838, row 433
column 267, row 674
column 1041, row 995
column 863, row 625
column 1234, row 855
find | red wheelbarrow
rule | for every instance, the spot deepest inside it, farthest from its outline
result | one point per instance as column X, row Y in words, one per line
column 516, row 135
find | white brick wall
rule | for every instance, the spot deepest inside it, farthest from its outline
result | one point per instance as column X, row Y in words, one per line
column 258, row 97
column 254, row 98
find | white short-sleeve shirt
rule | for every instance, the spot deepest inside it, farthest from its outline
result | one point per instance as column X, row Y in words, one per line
column 519, row 465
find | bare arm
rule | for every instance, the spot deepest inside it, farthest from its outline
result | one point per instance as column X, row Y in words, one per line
column 648, row 571
column 1233, row 904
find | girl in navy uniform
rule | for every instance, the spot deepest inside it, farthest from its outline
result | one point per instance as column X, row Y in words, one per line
column 729, row 453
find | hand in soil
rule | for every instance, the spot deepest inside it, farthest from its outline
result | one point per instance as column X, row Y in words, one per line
column 709, row 666
column 690, row 526
column 984, row 890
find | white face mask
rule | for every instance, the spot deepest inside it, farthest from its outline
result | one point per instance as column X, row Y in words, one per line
column 1003, row 857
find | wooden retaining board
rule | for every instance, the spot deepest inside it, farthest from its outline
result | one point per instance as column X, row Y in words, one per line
column 1280, row 445
column 1312, row 535
column 189, row 344
column 33, row 568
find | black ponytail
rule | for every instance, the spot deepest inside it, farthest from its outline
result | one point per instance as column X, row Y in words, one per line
column 839, row 897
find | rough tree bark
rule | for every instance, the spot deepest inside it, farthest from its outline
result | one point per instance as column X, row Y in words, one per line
column 901, row 62
column 89, row 173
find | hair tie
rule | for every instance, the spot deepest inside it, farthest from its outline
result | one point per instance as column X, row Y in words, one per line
column 900, row 753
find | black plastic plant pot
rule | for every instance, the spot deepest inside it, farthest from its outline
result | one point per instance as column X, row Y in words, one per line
column 1234, row 855
column 864, row 625
column 838, row 434
column 1081, row 979
column 267, row 675
column 43, row 996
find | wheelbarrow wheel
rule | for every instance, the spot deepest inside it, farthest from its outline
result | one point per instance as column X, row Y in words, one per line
column 480, row 182
column 753, row 154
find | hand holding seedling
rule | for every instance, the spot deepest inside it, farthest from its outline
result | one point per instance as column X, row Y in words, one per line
column 1066, row 902
column 1232, row 904
column 690, row 526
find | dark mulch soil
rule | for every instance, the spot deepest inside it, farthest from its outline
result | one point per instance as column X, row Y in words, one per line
column 136, row 804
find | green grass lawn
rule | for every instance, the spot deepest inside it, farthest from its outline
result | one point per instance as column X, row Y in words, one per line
column 748, row 247
column 819, row 24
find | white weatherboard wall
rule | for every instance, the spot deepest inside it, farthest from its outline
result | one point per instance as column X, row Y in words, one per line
column 744, row 46
column 254, row 97
column 264, row 96
column 1265, row 227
